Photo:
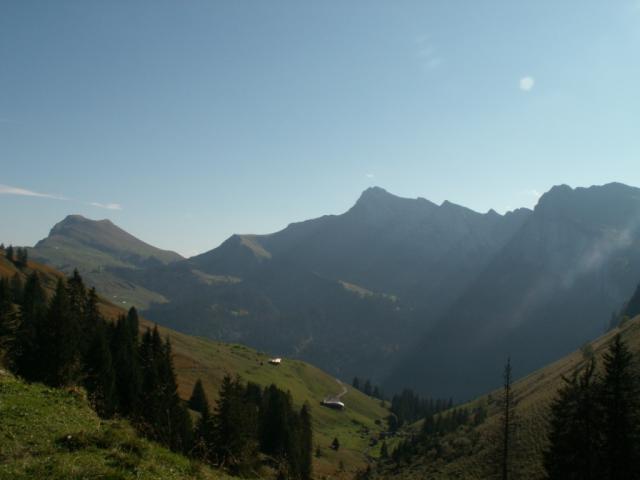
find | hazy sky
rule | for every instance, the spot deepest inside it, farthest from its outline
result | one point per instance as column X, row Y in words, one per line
column 186, row 121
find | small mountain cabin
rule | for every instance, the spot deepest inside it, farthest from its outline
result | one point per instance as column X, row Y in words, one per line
column 335, row 404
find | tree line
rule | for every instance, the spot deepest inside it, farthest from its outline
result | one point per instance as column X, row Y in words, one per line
column 64, row 341
column 19, row 255
column 368, row 388
column 409, row 407
column 247, row 421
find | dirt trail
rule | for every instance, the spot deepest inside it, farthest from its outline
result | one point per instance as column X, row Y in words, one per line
column 344, row 390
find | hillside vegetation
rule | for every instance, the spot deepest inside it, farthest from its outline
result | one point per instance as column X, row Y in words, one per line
column 468, row 453
column 194, row 358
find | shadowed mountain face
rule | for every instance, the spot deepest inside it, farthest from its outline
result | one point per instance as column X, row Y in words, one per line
column 348, row 292
column 424, row 295
column 553, row 286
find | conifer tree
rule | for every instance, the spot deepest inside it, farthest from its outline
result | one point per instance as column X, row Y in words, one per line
column 503, row 461
column 179, row 425
column 356, row 383
column 8, row 323
column 234, row 428
column 306, row 443
column 275, row 422
column 163, row 417
column 9, row 253
column 204, row 437
column 29, row 335
column 198, row 400
column 100, row 378
column 133, row 322
column 376, row 392
column 124, row 348
column 151, row 413
column 92, row 321
column 22, row 257
column 61, row 360
column 367, row 387
column 575, row 434
column 621, row 410
column 17, row 288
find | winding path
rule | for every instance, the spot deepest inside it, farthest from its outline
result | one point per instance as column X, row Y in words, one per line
column 344, row 390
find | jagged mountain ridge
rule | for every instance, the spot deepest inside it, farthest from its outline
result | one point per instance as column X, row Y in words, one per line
column 553, row 287
column 425, row 295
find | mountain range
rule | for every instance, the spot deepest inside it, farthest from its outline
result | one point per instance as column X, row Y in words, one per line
column 405, row 291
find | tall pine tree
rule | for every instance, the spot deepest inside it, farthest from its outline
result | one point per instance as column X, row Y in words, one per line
column 621, row 410
column 198, row 400
column 100, row 378
column 575, row 439
column 26, row 354
column 60, row 353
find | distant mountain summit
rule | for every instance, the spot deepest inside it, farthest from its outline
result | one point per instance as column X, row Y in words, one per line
column 98, row 248
column 106, row 238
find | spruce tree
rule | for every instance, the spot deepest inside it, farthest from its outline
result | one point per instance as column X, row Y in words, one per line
column 575, row 433
column 621, row 409
column 306, row 443
column 92, row 321
column 100, row 378
column 503, row 462
column 367, row 387
column 356, row 383
column 163, row 417
column 60, row 359
column 179, row 425
column 22, row 257
column 26, row 354
column 204, row 437
column 234, row 425
column 8, row 324
column 274, row 422
column 133, row 322
column 151, row 416
column 198, row 400
column 17, row 288
column 124, row 349
column 9, row 253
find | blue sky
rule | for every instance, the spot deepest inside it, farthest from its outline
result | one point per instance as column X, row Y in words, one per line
column 187, row 121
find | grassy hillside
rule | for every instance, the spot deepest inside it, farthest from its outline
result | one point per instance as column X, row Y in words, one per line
column 467, row 452
column 54, row 434
column 362, row 420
